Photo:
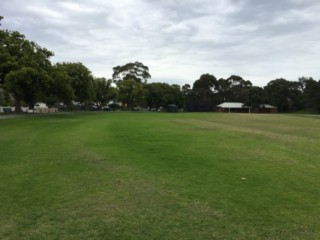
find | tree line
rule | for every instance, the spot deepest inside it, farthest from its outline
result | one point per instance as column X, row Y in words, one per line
column 287, row 96
column 28, row 76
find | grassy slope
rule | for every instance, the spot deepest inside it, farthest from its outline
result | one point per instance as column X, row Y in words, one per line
column 160, row 176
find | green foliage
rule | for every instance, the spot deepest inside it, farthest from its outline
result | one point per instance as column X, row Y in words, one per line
column 61, row 90
column 201, row 98
column 155, row 95
column 24, row 68
column 311, row 94
column 12, row 46
column 105, row 92
column 4, row 98
column 205, row 85
column 67, row 82
column 284, row 94
column 162, row 94
column 239, row 88
column 131, row 71
column 186, row 89
column 27, row 84
column 131, row 93
column 82, row 82
column 255, row 97
column 160, row 176
column 17, row 52
column 174, row 95
column 233, row 89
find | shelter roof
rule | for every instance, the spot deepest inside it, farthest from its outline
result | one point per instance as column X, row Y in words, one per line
column 231, row 105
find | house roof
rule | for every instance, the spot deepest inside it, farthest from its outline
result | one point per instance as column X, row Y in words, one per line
column 231, row 105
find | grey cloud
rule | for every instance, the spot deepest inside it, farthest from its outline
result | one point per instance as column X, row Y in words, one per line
column 178, row 40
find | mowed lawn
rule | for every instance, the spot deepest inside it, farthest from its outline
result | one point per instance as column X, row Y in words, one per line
column 160, row 176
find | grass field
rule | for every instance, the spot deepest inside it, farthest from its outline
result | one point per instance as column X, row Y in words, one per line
column 160, row 176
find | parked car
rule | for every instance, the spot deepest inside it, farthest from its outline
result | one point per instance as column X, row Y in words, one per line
column 106, row 108
column 40, row 105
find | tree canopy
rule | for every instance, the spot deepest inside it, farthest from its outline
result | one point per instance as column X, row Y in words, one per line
column 104, row 92
column 81, row 81
column 135, row 71
column 28, row 76
column 24, row 68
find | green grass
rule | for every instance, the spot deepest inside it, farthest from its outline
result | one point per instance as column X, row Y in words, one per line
column 160, row 176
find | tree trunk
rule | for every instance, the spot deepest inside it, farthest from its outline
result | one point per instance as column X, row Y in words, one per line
column 18, row 105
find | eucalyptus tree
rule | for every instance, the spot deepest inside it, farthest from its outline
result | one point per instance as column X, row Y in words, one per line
column 286, row 95
column 201, row 97
column 131, row 93
column 132, row 71
column 311, row 94
column 234, row 89
column 131, row 80
column 255, row 97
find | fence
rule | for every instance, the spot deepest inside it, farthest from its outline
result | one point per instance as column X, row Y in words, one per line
column 27, row 110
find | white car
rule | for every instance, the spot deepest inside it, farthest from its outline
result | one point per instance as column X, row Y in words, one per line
column 40, row 105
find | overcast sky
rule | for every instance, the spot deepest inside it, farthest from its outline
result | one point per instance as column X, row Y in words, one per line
column 260, row 40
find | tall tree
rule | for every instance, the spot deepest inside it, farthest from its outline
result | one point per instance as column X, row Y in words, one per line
column 201, row 97
column 175, row 96
column 186, row 89
column 224, row 93
column 255, row 97
column 134, row 71
column 286, row 95
column 105, row 92
column 162, row 94
column 28, row 85
column 234, row 89
column 24, row 68
column 239, row 88
column 155, row 95
column 81, row 82
column 295, row 96
column 60, row 89
column 277, row 93
column 4, row 98
column 131, row 93
column 311, row 94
